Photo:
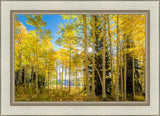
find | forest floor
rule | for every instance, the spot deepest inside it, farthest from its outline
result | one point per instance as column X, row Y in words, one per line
column 59, row 94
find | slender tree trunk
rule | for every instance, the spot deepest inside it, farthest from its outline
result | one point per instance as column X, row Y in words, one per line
column 20, row 73
column 32, row 73
column 99, row 76
column 121, row 66
column 86, row 55
column 65, row 74
column 121, row 61
column 59, row 74
column 30, row 68
column 117, row 79
column 37, row 77
column 109, row 35
column 62, row 75
column 70, row 69
column 48, row 79
column 36, row 66
column 25, row 73
column 125, row 70
column 144, row 74
column 133, row 78
column 76, row 78
column 41, row 82
column 93, row 58
column 45, row 66
column 104, row 61
column 20, row 61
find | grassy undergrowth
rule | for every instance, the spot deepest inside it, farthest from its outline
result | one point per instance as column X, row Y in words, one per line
column 58, row 94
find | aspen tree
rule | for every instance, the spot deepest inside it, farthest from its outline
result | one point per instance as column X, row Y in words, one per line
column 125, row 70
column 76, row 78
column 70, row 69
column 93, row 58
column 133, row 78
column 56, row 75
column 62, row 73
column 48, row 79
column 86, row 55
column 104, row 68
column 121, row 65
column 65, row 73
column 111, row 67
column 117, row 79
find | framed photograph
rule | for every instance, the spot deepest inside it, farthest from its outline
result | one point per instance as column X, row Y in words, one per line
column 79, row 57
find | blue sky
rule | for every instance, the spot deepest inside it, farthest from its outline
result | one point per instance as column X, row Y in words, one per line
column 52, row 22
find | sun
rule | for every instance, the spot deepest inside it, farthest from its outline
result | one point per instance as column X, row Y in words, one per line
column 90, row 50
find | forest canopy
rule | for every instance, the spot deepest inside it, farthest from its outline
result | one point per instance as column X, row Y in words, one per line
column 79, row 57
